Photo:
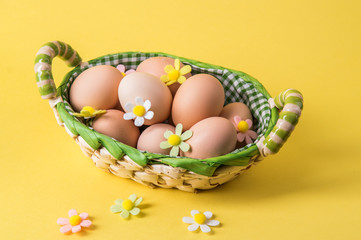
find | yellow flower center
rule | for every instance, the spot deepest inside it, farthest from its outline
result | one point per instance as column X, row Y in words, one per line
column 173, row 75
column 174, row 140
column 127, row 205
column 200, row 218
column 139, row 110
column 123, row 74
column 242, row 126
column 75, row 220
column 87, row 111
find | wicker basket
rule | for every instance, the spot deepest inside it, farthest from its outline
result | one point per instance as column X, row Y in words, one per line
column 187, row 174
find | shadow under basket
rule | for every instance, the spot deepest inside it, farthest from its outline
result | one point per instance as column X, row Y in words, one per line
column 274, row 120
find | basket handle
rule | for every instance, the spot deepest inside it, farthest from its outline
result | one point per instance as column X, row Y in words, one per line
column 290, row 102
column 43, row 61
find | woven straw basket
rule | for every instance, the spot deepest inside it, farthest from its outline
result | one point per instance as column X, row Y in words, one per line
column 274, row 120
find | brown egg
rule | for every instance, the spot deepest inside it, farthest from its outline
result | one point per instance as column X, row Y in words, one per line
column 148, row 87
column 151, row 138
column 211, row 137
column 113, row 125
column 200, row 97
column 155, row 66
column 96, row 87
column 236, row 109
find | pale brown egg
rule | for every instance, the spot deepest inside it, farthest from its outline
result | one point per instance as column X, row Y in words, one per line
column 151, row 138
column 96, row 87
column 200, row 97
column 155, row 66
column 113, row 125
column 211, row 137
column 236, row 109
column 147, row 87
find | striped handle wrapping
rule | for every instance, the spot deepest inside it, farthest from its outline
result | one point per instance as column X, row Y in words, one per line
column 43, row 61
column 291, row 104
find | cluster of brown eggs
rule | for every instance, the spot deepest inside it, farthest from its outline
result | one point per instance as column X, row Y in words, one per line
column 162, row 108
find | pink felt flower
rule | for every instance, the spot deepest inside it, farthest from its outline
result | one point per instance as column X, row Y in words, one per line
column 243, row 128
column 121, row 68
column 74, row 222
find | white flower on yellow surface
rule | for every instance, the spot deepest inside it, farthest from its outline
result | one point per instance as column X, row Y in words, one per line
column 200, row 220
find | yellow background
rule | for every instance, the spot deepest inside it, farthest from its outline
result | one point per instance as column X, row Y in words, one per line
column 309, row 190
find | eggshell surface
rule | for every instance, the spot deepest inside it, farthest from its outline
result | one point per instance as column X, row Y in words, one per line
column 150, row 88
column 96, row 87
column 151, row 138
column 211, row 137
column 156, row 65
column 236, row 109
column 198, row 98
column 113, row 125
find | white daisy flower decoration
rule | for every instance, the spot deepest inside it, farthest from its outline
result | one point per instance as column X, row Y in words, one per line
column 139, row 111
column 200, row 220
column 176, row 141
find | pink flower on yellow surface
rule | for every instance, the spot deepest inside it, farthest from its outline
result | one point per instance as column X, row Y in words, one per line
column 243, row 128
column 75, row 222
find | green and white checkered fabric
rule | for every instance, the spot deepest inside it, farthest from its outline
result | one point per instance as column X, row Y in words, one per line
column 235, row 87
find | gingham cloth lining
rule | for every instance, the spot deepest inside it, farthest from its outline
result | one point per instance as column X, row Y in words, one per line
column 235, row 87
